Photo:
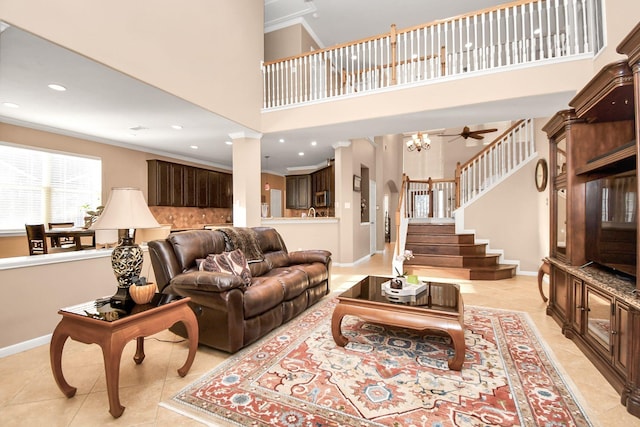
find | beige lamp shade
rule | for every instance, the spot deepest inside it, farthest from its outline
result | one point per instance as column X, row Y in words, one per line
column 126, row 208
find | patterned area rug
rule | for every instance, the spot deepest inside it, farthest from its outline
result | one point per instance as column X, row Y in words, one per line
column 297, row 376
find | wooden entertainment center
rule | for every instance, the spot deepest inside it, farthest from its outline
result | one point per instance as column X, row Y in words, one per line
column 593, row 163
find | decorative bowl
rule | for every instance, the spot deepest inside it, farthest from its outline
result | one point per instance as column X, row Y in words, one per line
column 142, row 294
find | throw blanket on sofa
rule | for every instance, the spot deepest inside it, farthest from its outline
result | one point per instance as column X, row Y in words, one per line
column 244, row 239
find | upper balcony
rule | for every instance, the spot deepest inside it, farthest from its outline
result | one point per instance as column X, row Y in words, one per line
column 517, row 36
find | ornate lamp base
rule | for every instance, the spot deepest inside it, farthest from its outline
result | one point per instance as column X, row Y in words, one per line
column 126, row 261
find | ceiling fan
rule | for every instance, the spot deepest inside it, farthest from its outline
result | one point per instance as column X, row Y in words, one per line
column 468, row 133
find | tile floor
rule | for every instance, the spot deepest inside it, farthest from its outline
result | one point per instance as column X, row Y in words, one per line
column 30, row 397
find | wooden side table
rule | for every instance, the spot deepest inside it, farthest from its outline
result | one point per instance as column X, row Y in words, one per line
column 88, row 324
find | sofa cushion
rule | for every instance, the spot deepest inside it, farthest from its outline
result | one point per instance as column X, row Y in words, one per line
column 233, row 262
column 316, row 272
column 293, row 282
column 244, row 239
column 193, row 244
column 277, row 259
column 206, row 281
column 264, row 294
column 259, row 268
column 269, row 239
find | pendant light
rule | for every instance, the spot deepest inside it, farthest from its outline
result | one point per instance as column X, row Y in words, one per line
column 267, row 187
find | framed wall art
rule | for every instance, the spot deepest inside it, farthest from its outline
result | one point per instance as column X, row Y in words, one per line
column 357, row 181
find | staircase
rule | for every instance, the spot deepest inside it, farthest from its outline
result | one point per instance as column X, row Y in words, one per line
column 439, row 251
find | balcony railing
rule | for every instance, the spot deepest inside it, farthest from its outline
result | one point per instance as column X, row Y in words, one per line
column 522, row 32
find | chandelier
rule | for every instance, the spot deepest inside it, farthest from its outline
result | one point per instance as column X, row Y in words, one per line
column 418, row 142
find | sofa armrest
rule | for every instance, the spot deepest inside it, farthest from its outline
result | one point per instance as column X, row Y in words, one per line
column 207, row 281
column 309, row 256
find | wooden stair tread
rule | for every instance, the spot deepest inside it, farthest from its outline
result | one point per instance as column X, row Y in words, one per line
column 438, row 250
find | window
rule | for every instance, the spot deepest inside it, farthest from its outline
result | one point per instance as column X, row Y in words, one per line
column 37, row 187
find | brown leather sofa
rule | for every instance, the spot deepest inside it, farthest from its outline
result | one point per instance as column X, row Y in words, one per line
column 232, row 315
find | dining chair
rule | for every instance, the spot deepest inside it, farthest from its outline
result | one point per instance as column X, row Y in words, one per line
column 57, row 242
column 37, row 240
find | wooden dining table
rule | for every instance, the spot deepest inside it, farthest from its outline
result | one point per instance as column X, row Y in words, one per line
column 76, row 232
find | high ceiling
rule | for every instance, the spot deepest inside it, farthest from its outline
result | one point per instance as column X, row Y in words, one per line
column 107, row 106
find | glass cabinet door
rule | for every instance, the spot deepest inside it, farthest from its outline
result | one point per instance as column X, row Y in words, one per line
column 598, row 319
column 560, row 233
column 561, row 158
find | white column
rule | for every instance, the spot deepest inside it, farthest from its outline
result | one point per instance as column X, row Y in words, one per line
column 344, row 200
column 246, row 179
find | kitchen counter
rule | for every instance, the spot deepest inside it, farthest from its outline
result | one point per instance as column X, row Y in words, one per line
column 300, row 220
column 308, row 233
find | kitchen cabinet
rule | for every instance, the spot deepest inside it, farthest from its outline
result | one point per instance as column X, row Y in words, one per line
column 298, row 188
column 323, row 180
column 172, row 184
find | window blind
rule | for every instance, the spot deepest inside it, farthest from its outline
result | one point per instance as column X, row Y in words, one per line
column 37, row 187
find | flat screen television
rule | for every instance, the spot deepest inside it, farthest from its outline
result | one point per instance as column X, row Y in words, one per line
column 611, row 222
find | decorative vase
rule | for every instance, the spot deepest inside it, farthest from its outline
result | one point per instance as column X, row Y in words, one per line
column 142, row 294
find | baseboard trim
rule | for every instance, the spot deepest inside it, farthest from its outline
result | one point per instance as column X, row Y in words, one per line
column 25, row 345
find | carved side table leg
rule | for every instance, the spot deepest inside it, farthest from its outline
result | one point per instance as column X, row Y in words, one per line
column 58, row 339
column 112, row 353
column 139, row 356
column 191, row 324
column 544, row 269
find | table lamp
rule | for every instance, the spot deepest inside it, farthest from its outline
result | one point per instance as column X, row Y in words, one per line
column 125, row 209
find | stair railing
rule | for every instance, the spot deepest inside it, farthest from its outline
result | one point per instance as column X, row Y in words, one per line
column 511, row 149
column 433, row 198
column 512, row 34
column 402, row 224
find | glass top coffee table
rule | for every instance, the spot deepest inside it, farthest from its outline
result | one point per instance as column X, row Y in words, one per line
column 439, row 307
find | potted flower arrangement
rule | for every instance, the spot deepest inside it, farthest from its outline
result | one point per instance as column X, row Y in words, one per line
column 400, row 279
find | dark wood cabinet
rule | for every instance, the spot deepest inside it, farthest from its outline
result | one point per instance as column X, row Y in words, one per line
column 203, row 193
column 323, row 180
column 159, row 183
column 172, row 184
column 298, row 192
column 301, row 189
column 593, row 142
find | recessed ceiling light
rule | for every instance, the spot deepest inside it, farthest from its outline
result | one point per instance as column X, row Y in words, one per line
column 537, row 31
column 176, row 127
column 314, row 143
column 10, row 105
column 301, row 154
column 468, row 45
column 281, row 140
column 228, row 142
column 193, row 147
column 57, row 87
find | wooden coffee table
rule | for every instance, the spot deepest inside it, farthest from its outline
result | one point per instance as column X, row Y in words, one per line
column 437, row 308
column 112, row 329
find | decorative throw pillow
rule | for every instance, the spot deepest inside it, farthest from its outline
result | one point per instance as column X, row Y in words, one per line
column 233, row 262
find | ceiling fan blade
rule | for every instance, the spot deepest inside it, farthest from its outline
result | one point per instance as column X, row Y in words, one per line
column 484, row 130
column 475, row 136
column 454, row 139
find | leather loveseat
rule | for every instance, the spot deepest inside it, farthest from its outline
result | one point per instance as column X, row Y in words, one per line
column 230, row 313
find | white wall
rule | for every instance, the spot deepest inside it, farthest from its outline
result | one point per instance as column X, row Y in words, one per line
column 206, row 52
column 513, row 215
